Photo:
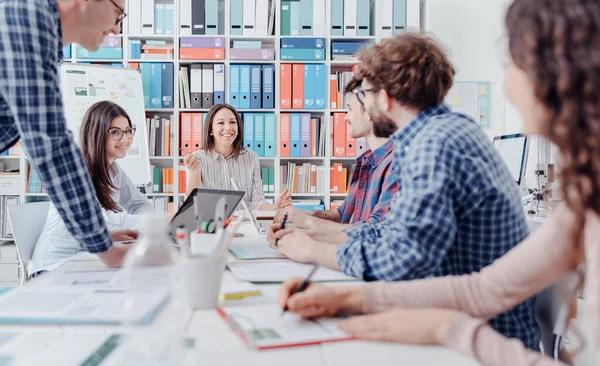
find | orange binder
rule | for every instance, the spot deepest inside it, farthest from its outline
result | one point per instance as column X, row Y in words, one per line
column 166, row 137
column 201, row 53
column 133, row 65
column 285, row 84
column 342, row 179
column 331, row 178
column 350, row 142
column 339, row 134
column 284, row 134
column 186, row 132
column 298, row 86
column 196, row 131
column 333, row 92
column 182, row 178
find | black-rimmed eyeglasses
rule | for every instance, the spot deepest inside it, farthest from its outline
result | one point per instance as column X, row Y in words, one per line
column 360, row 93
column 121, row 10
column 117, row 134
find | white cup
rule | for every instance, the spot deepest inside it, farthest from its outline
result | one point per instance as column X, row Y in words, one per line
column 202, row 277
column 203, row 244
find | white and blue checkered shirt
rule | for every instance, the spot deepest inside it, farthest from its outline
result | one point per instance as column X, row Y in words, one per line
column 458, row 209
column 31, row 109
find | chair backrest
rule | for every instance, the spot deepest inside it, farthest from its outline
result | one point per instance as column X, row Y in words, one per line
column 27, row 221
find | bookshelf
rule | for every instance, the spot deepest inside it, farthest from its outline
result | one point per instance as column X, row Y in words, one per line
column 331, row 66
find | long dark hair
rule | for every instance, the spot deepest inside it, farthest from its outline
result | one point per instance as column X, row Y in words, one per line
column 92, row 136
column 209, row 141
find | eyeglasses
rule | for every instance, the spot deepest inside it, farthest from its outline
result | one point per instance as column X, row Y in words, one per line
column 117, row 133
column 121, row 10
column 360, row 93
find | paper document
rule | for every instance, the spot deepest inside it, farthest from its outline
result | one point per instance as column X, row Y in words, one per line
column 282, row 270
column 257, row 251
column 263, row 327
column 101, row 278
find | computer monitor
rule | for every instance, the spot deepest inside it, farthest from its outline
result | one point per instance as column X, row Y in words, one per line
column 514, row 150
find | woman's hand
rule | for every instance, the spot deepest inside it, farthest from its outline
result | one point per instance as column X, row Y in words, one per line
column 192, row 164
column 284, row 199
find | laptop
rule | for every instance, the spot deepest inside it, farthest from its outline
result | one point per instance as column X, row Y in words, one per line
column 260, row 225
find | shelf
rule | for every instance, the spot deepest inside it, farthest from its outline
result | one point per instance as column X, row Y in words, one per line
column 141, row 60
column 103, row 60
column 161, row 158
column 308, row 194
column 158, row 110
column 282, row 36
column 36, row 194
column 348, row 158
column 344, row 62
column 10, row 157
column 153, row 36
column 193, row 109
column 252, row 37
column 160, row 194
column 202, row 61
column 350, row 38
column 302, row 61
column 204, row 36
column 252, row 61
column 266, row 158
column 338, row 194
column 301, row 158
column 303, row 110
column 338, row 110
column 255, row 110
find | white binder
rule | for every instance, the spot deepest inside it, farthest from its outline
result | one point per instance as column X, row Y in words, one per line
column 261, row 21
column 350, row 17
column 319, row 19
column 413, row 15
column 134, row 17
column 386, row 16
column 147, row 17
column 185, row 17
column 249, row 17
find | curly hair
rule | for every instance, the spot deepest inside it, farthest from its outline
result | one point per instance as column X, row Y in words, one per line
column 412, row 68
column 557, row 43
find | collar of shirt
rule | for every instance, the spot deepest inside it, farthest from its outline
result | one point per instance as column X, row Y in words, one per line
column 376, row 156
column 215, row 155
column 405, row 135
column 54, row 10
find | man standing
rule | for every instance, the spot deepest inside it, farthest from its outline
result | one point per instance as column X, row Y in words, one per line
column 32, row 34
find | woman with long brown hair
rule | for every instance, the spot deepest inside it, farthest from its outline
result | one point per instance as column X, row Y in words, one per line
column 553, row 79
column 106, row 134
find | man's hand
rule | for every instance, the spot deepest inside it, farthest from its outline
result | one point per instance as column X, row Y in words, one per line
column 295, row 244
column 124, row 235
column 295, row 216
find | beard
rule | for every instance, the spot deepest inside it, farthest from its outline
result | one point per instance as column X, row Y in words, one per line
column 382, row 125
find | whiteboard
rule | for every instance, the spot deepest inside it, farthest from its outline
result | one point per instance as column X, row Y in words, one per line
column 84, row 85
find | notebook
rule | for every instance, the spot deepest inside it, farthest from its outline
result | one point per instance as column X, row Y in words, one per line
column 254, row 251
column 281, row 270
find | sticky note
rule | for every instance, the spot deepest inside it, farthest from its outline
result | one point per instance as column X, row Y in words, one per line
column 482, row 89
column 455, row 99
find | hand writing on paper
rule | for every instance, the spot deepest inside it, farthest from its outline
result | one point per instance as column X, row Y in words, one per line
column 295, row 216
column 294, row 243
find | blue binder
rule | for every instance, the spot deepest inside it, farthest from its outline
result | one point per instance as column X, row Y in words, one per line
column 218, row 83
column 399, row 16
column 295, row 18
column 249, row 130
column 305, row 134
column 155, row 85
column 236, row 17
column 306, row 17
column 169, row 19
column 295, row 135
column 167, row 85
column 211, row 17
column 320, row 86
column 259, row 134
column 303, row 43
column 146, row 77
column 67, row 52
column 363, row 18
column 159, row 18
column 244, row 86
column 337, row 17
column 256, row 84
column 270, row 135
column 267, row 91
column 234, row 85
column 309, row 86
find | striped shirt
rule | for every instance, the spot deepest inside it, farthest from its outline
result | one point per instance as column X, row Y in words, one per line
column 217, row 171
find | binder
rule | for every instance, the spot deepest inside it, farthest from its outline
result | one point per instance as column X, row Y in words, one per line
column 182, row 177
column 264, row 176
column 248, row 17
column 197, row 131
column 198, row 17
column 211, row 17
column 306, row 17
column 304, row 43
column 256, row 86
column 169, row 18
column 363, row 20
column 259, row 134
column 399, row 16
column 272, row 180
column 156, row 180
column 219, row 84
column 333, row 93
column 261, row 20
column 146, row 77
column 207, row 85
column 284, row 135
column 159, row 18
column 252, row 54
column 186, row 131
column 244, row 86
column 413, row 15
column 285, row 85
column 202, row 42
column 235, row 17
column 320, row 93
column 234, row 85
column 295, row 135
column 267, row 86
column 298, row 54
column 361, row 146
column 167, row 85
column 386, row 10
column 155, row 85
column 270, row 135
column 318, row 16
column 350, row 17
column 309, row 86
column 202, row 53
column 339, row 135
column 284, row 28
column 249, row 130
column 350, row 142
column 337, row 17
column 298, row 86
column 185, row 18
column 196, row 85
column 134, row 17
column 147, row 17
column 295, row 18
column 305, row 134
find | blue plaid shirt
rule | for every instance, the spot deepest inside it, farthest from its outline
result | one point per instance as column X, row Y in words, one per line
column 458, row 209
column 31, row 109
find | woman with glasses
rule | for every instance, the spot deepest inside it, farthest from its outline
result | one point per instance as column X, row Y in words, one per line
column 106, row 134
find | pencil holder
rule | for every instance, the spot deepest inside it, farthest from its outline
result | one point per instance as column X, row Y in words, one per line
column 202, row 277
column 203, row 244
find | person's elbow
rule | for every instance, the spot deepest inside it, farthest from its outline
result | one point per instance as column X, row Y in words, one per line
column 113, row 258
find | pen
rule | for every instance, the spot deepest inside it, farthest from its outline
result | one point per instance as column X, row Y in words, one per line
column 303, row 285
column 185, row 151
column 183, row 240
column 285, row 215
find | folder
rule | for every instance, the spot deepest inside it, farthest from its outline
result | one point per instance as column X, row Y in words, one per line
column 284, row 28
column 207, row 85
column 320, row 86
column 304, row 43
column 234, row 85
column 252, row 54
column 198, row 17
column 413, row 16
column 298, row 54
column 259, row 134
column 386, row 11
column 337, row 17
column 264, row 176
column 270, row 135
column 211, row 17
column 295, row 135
column 271, row 180
column 295, row 18
column 167, row 85
column 306, row 17
column 134, row 17
column 147, row 17
column 399, row 17
column 185, row 18
column 146, row 77
column 219, row 84
column 201, row 53
column 182, row 177
column 248, row 17
column 285, row 85
column 236, row 18
column 361, row 146
column 244, row 86
column 196, row 85
column 339, row 135
column 350, row 142
column 319, row 27
column 155, row 85
column 333, row 93
column 284, row 135
column 197, row 131
column 255, row 86
column 305, row 134
column 267, row 86
column 363, row 20
column 261, row 20
column 169, row 19
column 309, row 86
column 186, row 131
column 159, row 18
column 350, row 17
column 249, row 130
column 298, row 86
column 202, row 42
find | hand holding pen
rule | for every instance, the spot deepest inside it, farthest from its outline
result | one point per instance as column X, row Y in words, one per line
column 192, row 163
column 283, row 222
column 303, row 285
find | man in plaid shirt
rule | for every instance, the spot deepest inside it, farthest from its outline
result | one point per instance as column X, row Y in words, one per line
column 32, row 34
column 458, row 208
